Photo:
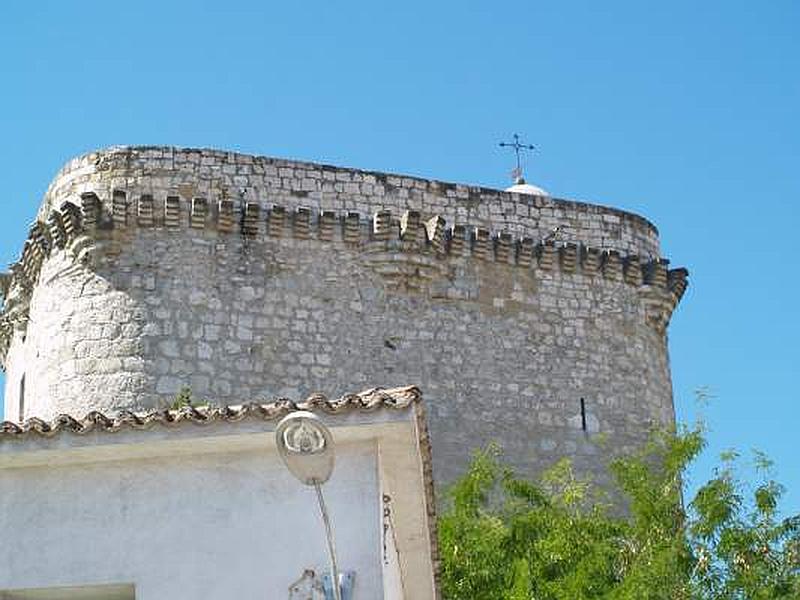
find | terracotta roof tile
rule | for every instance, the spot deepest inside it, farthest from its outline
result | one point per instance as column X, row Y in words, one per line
column 368, row 400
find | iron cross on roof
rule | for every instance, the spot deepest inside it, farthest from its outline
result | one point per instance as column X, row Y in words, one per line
column 518, row 147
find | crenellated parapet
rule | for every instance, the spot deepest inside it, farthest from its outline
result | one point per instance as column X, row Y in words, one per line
column 409, row 250
column 529, row 320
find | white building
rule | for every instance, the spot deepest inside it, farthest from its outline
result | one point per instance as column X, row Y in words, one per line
column 196, row 503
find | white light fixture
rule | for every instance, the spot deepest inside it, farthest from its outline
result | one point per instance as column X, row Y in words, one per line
column 306, row 447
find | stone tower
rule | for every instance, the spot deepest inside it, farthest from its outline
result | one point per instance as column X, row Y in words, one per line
column 534, row 322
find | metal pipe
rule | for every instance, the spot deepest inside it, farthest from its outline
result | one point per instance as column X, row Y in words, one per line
column 337, row 590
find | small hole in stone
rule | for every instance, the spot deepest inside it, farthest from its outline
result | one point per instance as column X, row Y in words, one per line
column 583, row 414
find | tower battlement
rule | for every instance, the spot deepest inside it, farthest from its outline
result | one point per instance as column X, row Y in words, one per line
column 212, row 174
column 532, row 321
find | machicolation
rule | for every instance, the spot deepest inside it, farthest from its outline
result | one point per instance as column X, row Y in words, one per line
column 534, row 322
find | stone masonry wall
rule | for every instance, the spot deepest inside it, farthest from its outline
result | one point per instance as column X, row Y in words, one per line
column 249, row 278
column 190, row 173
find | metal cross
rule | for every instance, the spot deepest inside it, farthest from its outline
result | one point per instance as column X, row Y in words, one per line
column 518, row 147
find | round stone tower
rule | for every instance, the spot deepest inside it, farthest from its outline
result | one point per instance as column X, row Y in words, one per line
column 534, row 322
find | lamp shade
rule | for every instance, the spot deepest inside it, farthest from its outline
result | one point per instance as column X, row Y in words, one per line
column 306, row 447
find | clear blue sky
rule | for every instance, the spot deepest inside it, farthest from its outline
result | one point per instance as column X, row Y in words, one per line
column 685, row 112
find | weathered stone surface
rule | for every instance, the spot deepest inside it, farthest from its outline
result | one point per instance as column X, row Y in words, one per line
column 504, row 333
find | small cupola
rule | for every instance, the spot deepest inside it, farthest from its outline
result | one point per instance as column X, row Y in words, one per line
column 522, row 187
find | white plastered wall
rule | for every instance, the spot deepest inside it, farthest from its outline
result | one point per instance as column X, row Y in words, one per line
column 209, row 511
column 232, row 525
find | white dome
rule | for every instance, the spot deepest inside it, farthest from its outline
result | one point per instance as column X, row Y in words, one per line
column 526, row 188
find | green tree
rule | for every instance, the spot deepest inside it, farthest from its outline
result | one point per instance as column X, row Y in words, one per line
column 505, row 538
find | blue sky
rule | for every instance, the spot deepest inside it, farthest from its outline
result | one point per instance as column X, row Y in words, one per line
column 685, row 112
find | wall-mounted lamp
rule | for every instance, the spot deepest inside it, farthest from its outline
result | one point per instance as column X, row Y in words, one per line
column 306, row 447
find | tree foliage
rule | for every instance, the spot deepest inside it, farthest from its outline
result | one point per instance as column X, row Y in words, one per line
column 505, row 538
